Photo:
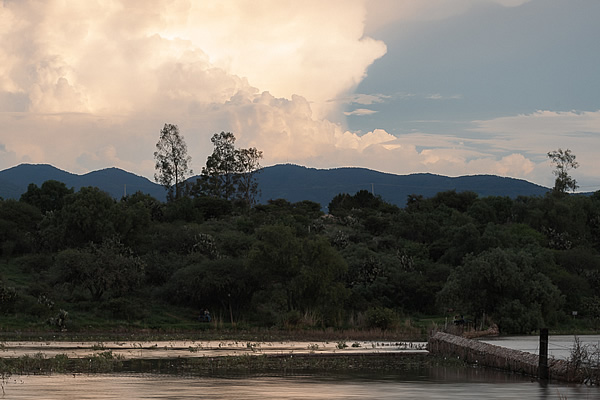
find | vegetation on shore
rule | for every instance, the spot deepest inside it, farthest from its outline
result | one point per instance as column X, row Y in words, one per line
column 245, row 365
column 85, row 262
column 89, row 262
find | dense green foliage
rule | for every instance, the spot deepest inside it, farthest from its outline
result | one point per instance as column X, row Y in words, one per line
column 229, row 173
column 71, row 258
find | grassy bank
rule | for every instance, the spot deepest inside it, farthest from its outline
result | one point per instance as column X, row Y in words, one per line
column 106, row 362
column 182, row 324
column 227, row 333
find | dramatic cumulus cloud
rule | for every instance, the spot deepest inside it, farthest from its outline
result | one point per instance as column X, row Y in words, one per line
column 87, row 85
column 84, row 84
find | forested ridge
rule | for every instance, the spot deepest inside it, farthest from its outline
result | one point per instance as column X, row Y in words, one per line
column 74, row 260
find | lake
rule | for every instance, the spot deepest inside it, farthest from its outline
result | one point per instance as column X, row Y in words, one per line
column 433, row 382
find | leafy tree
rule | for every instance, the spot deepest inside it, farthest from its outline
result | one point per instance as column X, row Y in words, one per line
column 459, row 201
column 494, row 209
column 181, row 209
column 222, row 285
column 18, row 225
column 108, row 267
column 212, row 207
column 219, row 176
column 342, row 204
column 176, row 237
column 229, row 172
column 458, row 240
column 50, row 197
column 171, row 160
column 503, row 284
column 297, row 274
column 133, row 214
column 303, row 216
column 563, row 161
column 86, row 217
column 318, row 285
column 277, row 253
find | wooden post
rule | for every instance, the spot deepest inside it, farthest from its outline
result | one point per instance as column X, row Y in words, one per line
column 543, row 365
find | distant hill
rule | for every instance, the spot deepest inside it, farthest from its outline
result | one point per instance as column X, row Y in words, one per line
column 296, row 183
column 116, row 182
column 291, row 182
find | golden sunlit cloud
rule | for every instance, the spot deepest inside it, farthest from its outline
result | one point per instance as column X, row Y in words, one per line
column 88, row 85
column 129, row 66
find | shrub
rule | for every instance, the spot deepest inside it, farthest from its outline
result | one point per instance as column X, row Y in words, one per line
column 8, row 298
column 382, row 318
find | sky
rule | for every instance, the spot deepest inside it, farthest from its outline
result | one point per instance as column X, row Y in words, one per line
column 450, row 87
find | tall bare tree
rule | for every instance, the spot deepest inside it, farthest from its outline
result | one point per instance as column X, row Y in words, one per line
column 171, row 160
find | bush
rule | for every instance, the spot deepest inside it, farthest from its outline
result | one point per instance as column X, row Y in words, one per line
column 516, row 318
column 8, row 299
column 382, row 318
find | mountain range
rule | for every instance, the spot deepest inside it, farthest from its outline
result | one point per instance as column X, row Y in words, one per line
column 284, row 181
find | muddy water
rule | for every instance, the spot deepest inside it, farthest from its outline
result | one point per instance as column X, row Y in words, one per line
column 434, row 383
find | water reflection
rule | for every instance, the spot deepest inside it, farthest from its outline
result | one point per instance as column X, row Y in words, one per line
column 432, row 383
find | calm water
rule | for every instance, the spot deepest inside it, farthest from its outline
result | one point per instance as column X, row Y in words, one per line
column 425, row 383
column 436, row 383
column 559, row 346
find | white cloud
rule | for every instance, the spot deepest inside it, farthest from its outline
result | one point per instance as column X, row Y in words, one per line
column 89, row 83
column 316, row 49
column 361, row 98
column 102, row 57
column 360, row 112
column 544, row 131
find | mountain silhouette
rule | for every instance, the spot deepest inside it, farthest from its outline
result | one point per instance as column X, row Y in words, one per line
column 115, row 181
column 285, row 181
column 295, row 183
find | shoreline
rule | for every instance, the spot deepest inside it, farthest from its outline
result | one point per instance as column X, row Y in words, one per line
column 257, row 334
column 249, row 365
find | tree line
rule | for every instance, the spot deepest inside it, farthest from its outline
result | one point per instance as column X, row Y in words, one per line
column 520, row 263
column 228, row 174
